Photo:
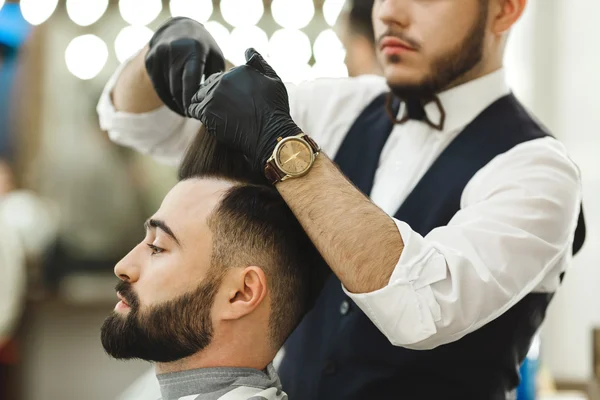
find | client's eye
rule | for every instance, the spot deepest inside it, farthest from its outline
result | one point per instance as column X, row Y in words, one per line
column 155, row 250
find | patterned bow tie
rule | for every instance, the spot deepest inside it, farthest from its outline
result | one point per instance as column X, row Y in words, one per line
column 415, row 110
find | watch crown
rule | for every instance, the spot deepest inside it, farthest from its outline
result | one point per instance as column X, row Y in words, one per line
column 279, row 139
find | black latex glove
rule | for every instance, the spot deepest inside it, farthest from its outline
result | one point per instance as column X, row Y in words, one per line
column 247, row 108
column 181, row 51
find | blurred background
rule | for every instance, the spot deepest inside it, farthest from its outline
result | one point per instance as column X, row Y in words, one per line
column 72, row 203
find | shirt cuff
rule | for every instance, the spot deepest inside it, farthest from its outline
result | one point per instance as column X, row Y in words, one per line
column 142, row 131
column 405, row 310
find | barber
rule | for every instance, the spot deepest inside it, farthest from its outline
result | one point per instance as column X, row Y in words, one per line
column 447, row 269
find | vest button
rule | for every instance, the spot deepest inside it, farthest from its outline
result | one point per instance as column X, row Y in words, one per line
column 329, row 368
column 344, row 307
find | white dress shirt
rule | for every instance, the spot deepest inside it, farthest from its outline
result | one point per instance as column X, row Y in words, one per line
column 512, row 235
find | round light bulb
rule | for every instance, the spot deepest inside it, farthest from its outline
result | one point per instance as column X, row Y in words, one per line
column 86, row 12
column 200, row 10
column 241, row 39
column 130, row 40
column 86, row 56
column 293, row 14
column 242, row 12
column 290, row 44
column 140, row 12
column 291, row 72
column 328, row 48
column 219, row 33
column 329, row 70
column 37, row 11
column 332, row 10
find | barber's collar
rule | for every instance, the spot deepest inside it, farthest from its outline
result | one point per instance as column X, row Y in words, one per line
column 210, row 383
column 455, row 108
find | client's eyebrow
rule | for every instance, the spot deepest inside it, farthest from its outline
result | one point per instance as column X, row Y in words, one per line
column 157, row 223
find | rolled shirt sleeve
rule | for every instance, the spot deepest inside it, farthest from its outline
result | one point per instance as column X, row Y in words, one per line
column 325, row 107
column 161, row 133
column 512, row 236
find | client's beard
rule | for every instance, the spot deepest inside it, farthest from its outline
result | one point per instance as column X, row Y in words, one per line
column 164, row 333
column 450, row 66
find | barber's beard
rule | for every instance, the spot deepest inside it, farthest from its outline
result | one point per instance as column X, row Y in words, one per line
column 163, row 333
column 450, row 66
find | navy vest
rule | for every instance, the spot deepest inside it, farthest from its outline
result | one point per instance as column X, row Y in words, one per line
column 337, row 353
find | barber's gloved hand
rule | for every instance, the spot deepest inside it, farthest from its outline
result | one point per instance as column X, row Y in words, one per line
column 247, row 108
column 181, row 51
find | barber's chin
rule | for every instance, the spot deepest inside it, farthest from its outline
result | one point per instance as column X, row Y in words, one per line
column 400, row 75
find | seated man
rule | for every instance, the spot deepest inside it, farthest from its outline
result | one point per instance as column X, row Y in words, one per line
column 223, row 276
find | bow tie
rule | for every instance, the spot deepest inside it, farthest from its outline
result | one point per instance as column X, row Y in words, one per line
column 415, row 110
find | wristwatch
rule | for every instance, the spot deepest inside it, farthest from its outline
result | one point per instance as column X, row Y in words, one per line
column 293, row 157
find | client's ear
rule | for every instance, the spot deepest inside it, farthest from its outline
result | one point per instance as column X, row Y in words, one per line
column 247, row 290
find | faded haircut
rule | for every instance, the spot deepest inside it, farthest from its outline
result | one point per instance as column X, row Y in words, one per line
column 253, row 225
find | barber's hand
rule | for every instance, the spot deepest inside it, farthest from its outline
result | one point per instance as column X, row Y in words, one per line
column 181, row 51
column 246, row 108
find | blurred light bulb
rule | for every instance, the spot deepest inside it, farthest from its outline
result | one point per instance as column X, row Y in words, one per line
column 293, row 14
column 86, row 12
column 332, row 10
column 200, row 10
column 241, row 39
column 130, row 40
column 329, row 70
column 328, row 48
column 219, row 33
column 242, row 12
column 86, row 56
column 291, row 72
column 37, row 11
column 140, row 12
column 290, row 44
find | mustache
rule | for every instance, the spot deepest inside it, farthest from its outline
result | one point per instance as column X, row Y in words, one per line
column 400, row 35
column 126, row 290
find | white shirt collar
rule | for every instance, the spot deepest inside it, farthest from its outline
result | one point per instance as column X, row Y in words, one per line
column 465, row 102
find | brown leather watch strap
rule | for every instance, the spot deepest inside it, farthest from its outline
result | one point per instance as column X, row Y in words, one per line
column 312, row 143
column 272, row 173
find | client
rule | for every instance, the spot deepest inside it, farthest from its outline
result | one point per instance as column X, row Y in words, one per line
column 223, row 276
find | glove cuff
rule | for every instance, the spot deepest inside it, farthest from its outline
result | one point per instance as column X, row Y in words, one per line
column 283, row 130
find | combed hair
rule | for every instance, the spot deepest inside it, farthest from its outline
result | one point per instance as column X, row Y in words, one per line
column 254, row 226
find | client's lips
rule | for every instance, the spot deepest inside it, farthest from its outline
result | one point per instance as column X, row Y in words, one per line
column 120, row 296
column 390, row 44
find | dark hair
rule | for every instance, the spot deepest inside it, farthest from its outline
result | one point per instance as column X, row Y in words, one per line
column 360, row 18
column 254, row 226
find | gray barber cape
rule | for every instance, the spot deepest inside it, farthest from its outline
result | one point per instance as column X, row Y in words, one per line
column 222, row 384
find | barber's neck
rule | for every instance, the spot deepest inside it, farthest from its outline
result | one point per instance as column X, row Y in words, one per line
column 492, row 61
column 231, row 347
column 477, row 72
column 369, row 69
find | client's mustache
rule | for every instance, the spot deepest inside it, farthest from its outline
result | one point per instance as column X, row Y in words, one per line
column 400, row 35
column 125, row 289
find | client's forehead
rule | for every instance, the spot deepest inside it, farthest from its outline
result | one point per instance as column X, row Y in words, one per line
column 190, row 202
column 195, row 195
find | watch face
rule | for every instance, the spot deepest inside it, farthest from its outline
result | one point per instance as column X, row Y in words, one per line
column 294, row 157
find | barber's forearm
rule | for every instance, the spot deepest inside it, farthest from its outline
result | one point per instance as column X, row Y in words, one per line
column 358, row 240
column 133, row 92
